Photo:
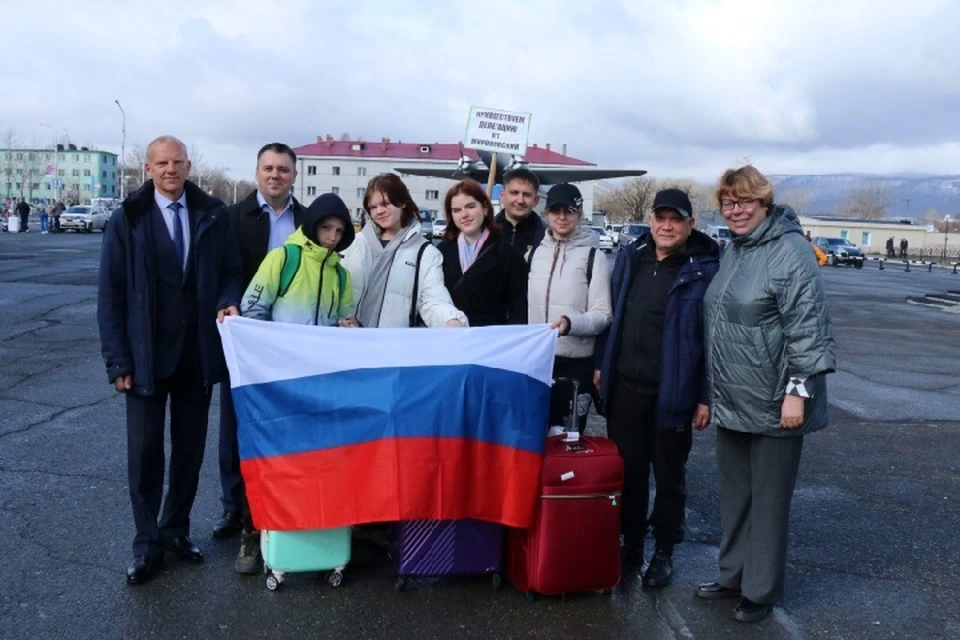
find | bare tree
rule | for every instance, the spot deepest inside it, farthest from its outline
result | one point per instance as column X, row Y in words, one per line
column 134, row 174
column 796, row 199
column 634, row 198
column 867, row 202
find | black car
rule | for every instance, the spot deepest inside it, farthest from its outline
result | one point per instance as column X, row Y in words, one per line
column 630, row 232
column 840, row 251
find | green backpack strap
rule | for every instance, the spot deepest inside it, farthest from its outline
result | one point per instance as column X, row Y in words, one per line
column 291, row 264
column 341, row 280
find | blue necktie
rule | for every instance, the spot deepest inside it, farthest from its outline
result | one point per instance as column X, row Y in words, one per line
column 177, row 231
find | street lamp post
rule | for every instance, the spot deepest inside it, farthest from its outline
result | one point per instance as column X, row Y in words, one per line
column 56, row 161
column 123, row 150
column 946, row 235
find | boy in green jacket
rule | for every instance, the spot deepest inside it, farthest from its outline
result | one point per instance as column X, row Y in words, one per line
column 303, row 281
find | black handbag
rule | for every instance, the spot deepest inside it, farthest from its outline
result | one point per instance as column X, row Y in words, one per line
column 415, row 319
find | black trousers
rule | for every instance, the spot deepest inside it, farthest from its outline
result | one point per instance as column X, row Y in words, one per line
column 632, row 424
column 189, row 408
column 233, row 496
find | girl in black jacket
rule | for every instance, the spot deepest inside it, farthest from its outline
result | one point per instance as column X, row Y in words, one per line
column 486, row 277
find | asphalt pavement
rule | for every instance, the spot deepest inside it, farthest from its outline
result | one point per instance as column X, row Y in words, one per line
column 874, row 550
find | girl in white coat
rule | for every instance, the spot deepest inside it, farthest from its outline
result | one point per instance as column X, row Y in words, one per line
column 383, row 261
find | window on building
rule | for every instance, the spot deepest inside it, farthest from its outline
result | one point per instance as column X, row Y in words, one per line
column 19, row 156
column 335, row 190
column 19, row 172
column 104, row 173
column 48, row 156
column 61, row 172
column 35, row 185
column 76, row 173
column 336, row 171
column 312, row 170
column 865, row 239
column 86, row 172
column 49, row 187
column 361, row 171
column 311, row 191
column 17, row 186
column 76, row 157
column 359, row 213
column 360, row 192
column 86, row 187
column 845, row 235
column 63, row 157
column 86, row 157
column 30, row 156
column 433, row 194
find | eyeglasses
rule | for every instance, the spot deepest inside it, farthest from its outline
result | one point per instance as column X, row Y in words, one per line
column 743, row 203
column 563, row 211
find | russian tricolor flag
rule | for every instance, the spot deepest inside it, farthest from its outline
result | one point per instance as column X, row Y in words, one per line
column 347, row 426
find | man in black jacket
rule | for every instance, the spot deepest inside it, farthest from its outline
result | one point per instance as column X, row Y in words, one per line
column 651, row 376
column 262, row 221
column 23, row 210
column 521, row 226
column 168, row 273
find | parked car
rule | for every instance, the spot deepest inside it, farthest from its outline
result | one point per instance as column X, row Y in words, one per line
column 840, row 251
column 614, row 231
column 439, row 226
column 631, row 232
column 84, row 218
column 606, row 242
column 719, row 232
column 426, row 225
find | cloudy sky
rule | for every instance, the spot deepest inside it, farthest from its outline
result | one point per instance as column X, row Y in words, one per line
column 683, row 88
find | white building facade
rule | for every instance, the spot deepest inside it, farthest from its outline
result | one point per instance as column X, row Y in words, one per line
column 344, row 167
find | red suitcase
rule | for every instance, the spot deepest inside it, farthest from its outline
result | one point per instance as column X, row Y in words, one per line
column 574, row 543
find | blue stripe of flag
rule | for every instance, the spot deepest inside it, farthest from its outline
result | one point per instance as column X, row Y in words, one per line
column 362, row 405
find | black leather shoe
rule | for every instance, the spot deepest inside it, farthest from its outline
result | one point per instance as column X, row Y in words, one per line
column 228, row 525
column 750, row 611
column 182, row 546
column 144, row 568
column 713, row 591
column 660, row 570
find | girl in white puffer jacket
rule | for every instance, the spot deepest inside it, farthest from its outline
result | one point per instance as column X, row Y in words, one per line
column 383, row 263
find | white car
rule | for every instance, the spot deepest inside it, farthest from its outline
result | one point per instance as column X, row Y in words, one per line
column 439, row 226
column 606, row 242
column 84, row 218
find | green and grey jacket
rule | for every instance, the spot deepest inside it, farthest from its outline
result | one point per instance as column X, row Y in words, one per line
column 766, row 324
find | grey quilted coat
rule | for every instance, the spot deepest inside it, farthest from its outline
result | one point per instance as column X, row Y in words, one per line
column 766, row 320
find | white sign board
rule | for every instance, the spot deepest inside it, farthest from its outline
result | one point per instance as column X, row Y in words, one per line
column 497, row 131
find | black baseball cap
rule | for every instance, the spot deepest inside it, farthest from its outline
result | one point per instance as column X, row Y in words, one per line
column 564, row 194
column 675, row 199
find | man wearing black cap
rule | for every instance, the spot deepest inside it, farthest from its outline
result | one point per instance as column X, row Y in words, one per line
column 520, row 225
column 651, row 374
column 262, row 221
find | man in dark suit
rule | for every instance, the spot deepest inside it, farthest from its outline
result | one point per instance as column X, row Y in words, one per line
column 168, row 272
column 260, row 222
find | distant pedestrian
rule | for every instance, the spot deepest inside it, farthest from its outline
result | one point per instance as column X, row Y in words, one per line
column 891, row 253
column 44, row 220
column 23, row 210
column 903, row 248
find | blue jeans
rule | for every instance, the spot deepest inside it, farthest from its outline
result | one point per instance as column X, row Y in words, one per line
column 44, row 220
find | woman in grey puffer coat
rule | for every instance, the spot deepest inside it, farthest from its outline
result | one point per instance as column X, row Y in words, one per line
column 769, row 345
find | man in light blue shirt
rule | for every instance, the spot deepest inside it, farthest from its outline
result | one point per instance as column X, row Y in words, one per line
column 281, row 218
column 262, row 221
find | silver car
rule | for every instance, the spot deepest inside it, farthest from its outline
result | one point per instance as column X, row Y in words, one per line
column 84, row 218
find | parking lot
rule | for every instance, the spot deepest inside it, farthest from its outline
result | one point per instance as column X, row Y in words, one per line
column 874, row 550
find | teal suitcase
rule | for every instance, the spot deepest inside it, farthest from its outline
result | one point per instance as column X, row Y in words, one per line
column 311, row 550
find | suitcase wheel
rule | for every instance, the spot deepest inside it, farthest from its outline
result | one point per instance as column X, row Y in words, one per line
column 274, row 581
column 335, row 579
column 497, row 581
column 400, row 585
